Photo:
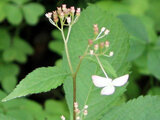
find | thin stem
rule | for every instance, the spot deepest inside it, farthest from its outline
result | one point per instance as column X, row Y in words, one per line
column 101, row 66
column 67, row 53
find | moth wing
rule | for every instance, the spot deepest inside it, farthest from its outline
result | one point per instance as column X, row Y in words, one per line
column 99, row 81
column 108, row 90
column 120, row 81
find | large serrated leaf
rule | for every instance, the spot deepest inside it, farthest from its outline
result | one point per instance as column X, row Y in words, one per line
column 87, row 93
column 142, row 108
column 40, row 80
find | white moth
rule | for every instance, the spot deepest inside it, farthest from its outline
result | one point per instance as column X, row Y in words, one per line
column 107, row 84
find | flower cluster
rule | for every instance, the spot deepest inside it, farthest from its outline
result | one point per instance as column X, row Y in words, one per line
column 64, row 15
column 80, row 113
column 102, row 47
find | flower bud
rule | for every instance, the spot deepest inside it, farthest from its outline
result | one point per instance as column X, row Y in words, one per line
column 61, row 15
column 101, row 45
column 68, row 20
column 62, row 117
column 90, row 42
column 96, row 47
column 111, row 53
column 85, row 112
column 103, row 29
column 48, row 15
column 76, row 105
column 64, row 7
column 86, row 106
column 91, row 52
column 106, row 32
column 78, row 11
column 77, row 118
column 107, row 44
column 95, row 28
column 72, row 10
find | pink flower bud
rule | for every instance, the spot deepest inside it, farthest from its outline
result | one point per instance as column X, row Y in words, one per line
column 78, row 11
column 90, row 42
column 102, row 45
column 72, row 10
column 76, row 105
column 85, row 112
column 106, row 32
column 96, row 47
column 68, row 20
column 64, row 7
column 77, row 111
column 61, row 15
column 107, row 44
column 48, row 15
column 95, row 28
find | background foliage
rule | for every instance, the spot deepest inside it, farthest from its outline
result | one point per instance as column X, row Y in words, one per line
column 24, row 31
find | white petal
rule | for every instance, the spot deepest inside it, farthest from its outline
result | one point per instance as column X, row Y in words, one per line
column 100, row 81
column 108, row 90
column 120, row 81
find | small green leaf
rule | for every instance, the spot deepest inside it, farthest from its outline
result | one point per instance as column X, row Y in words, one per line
column 40, row 80
column 14, row 14
column 154, row 91
column 154, row 62
column 8, row 70
column 56, row 46
column 142, row 108
column 32, row 12
column 5, row 40
column 135, row 27
column 9, row 83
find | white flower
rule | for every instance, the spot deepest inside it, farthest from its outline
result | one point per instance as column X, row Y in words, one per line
column 107, row 84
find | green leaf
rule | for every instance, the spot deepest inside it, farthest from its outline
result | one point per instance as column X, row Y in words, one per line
column 32, row 12
column 154, row 62
column 21, row 45
column 18, row 51
column 56, row 46
column 142, row 108
column 87, row 93
column 9, row 83
column 8, row 70
column 5, row 40
column 13, row 14
column 135, row 27
column 40, row 80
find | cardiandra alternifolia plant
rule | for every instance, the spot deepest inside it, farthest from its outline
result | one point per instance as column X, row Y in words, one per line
column 94, row 70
